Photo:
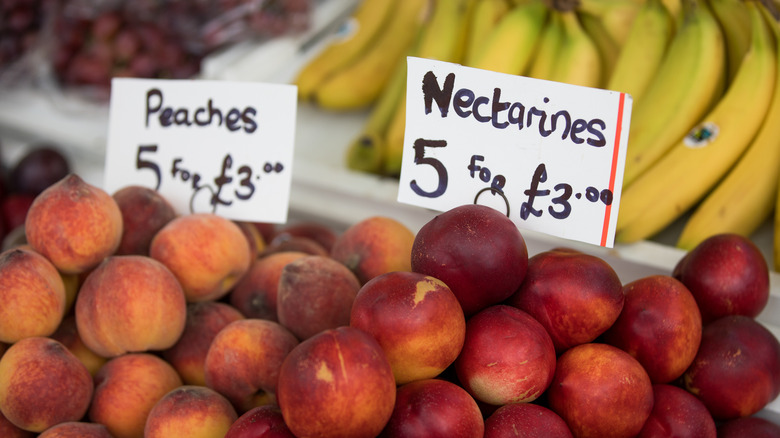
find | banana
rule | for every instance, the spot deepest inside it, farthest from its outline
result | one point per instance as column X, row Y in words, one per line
column 508, row 47
column 366, row 22
column 608, row 48
column 617, row 16
column 483, row 19
column 577, row 60
column 441, row 39
column 695, row 164
column 360, row 83
column 643, row 51
column 546, row 50
column 366, row 152
column 735, row 22
column 744, row 199
column 687, row 84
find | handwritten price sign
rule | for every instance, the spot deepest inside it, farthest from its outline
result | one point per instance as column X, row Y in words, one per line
column 207, row 146
column 550, row 155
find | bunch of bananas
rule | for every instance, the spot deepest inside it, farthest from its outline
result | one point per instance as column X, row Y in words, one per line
column 704, row 139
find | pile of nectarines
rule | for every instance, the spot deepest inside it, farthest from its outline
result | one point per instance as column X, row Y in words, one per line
column 120, row 318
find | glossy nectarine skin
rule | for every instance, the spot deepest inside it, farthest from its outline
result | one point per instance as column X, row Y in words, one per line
column 527, row 420
column 677, row 412
column 337, row 383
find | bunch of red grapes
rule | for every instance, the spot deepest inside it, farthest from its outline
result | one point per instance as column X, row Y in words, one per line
column 20, row 24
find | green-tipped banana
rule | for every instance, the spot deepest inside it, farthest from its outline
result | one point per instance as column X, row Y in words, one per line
column 687, row 84
column 365, row 23
column 482, row 21
column 577, row 61
column 745, row 198
column 695, row 164
column 643, row 51
column 541, row 64
column 509, row 46
column 359, row 84
column 608, row 48
column 735, row 21
column 441, row 39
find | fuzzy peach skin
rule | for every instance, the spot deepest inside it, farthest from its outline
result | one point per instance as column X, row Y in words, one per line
column 9, row 430
column 144, row 212
column 204, row 321
column 416, row 319
column 68, row 334
column 207, row 253
column 76, row 429
column 130, row 304
column 374, row 246
column 74, row 224
column 190, row 411
column 42, row 384
column 32, row 293
column 255, row 295
column 243, row 361
column 126, row 389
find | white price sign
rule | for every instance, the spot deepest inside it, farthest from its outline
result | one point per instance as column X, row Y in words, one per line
column 206, row 146
column 551, row 155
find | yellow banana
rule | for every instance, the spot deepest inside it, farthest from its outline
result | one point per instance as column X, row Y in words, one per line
column 441, row 39
column 544, row 56
column 366, row 152
column 744, row 199
column 687, row 84
column 481, row 22
column 508, row 47
column 643, row 51
column 616, row 16
column 359, row 84
column 695, row 164
column 577, row 60
column 363, row 26
column 608, row 48
column 735, row 21
column 675, row 7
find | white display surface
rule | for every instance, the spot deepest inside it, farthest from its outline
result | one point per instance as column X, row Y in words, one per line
column 322, row 188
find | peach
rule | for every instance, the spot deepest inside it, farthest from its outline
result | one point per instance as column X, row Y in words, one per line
column 67, row 333
column 315, row 293
column 253, row 237
column 415, row 318
column 434, row 408
column 576, row 296
column 207, row 253
column 74, row 224
column 255, row 295
column 76, row 429
column 190, row 411
column 337, row 383
column 72, row 283
column 601, row 391
column 323, row 234
column 660, row 325
column 204, row 320
column 507, row 356
column 32, row 293
column 676, row 412
column 374, row 246
column 10, row 430
column 243, row 361
column 736, row 371
column 130, row 303
column 126, row 389
column 144, row 212
column 297, row 244
column 42, row 384
column 260, row 422
column 525, row 420
column 475, row 250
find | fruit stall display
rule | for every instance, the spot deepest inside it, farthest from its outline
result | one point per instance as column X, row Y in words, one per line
column 671, row 329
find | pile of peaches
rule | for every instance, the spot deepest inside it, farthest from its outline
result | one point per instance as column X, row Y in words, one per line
column 120, row 318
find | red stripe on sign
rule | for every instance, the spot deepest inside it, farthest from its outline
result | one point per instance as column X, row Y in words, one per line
column 613, row 170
